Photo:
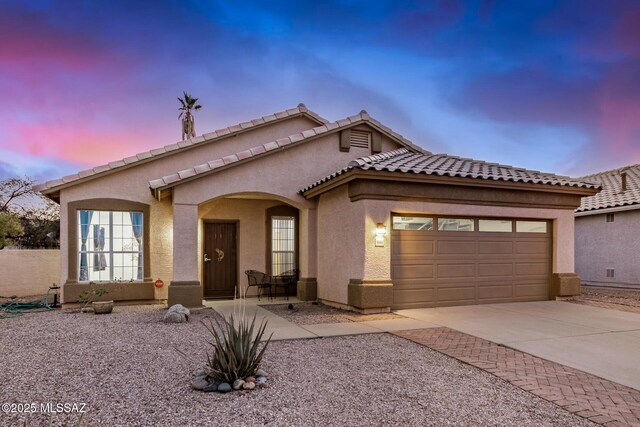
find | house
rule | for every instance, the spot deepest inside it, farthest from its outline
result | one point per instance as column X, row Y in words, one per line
column 371, row 220
column 607, row 224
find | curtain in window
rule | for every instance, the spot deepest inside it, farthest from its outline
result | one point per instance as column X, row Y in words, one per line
column 136, row 225
column 85, row 222
column 99, row 260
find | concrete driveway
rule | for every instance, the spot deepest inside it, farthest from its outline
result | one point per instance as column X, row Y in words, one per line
column 605, row 343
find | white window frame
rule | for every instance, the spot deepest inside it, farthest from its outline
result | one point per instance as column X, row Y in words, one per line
column 111, row 252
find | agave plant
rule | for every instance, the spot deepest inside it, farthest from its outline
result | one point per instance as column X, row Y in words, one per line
column 235, row 353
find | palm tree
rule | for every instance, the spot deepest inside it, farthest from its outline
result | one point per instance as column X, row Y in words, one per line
column 188, row 122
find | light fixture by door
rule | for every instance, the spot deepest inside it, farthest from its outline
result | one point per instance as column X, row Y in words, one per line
column 381, row 231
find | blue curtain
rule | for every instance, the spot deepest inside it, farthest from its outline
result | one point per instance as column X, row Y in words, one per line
column 136, row 225
column 85, row 222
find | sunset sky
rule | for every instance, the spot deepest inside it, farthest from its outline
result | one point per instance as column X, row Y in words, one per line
column 548, row 85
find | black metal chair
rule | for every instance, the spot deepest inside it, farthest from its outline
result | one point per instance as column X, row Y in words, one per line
column 287, row 281
column 260, row 280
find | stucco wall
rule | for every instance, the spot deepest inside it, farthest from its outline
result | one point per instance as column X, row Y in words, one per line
column 601, row 245
column 346, row 238
column 132, row 184
column 281, row 174
column 28, row 272
column 341, row 241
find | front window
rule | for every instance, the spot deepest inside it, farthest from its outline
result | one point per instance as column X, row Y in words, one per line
column 110, row 246
column 283, row 244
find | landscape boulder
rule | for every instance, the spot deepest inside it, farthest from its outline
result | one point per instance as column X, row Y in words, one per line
column 177, row 314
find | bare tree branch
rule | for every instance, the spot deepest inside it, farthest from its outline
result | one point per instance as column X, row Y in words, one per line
column 14, row 188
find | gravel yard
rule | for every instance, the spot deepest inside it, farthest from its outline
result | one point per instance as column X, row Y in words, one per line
column 125, row 368
column 624, row 296
column 308, row 313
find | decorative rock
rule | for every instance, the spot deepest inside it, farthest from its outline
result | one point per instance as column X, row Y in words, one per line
column 261, row 373
column 250, row 379
column 176, row 314
column 200, row 373
column 249, row 386
column 261, row 380
column 237, row 384
column 199, row 383
column 224, row 388
column 211, row 387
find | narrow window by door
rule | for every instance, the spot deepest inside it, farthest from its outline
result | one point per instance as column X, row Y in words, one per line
column 282, row 239
column 283, row 244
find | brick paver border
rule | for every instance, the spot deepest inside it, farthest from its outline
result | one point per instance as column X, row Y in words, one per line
column 586, row 395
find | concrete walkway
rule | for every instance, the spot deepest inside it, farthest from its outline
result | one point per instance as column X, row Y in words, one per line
column 602, row 342
column 282, row 329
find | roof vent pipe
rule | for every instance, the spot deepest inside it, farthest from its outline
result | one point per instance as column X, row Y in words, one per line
column 623, row 181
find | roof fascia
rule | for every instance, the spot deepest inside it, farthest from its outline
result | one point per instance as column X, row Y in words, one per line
column 631, row 207
column 440, row 179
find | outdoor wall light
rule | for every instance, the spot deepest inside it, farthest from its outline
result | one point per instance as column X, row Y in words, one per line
column 381, row 231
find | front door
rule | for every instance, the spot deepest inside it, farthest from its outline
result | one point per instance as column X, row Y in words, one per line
column 219, row 260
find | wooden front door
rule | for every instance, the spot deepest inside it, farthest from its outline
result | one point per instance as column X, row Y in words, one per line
column 219, row 260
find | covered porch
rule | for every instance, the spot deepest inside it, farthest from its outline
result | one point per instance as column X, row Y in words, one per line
column 217, row 240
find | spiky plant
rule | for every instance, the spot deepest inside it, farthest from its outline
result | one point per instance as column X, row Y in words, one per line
column 188, row 105
column 235, row 353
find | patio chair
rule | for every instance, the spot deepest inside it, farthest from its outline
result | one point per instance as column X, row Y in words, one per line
column 287, row 281
column 260, row 280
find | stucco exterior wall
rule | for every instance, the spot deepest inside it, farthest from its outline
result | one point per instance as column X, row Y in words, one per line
column 132, row 184
column 28, row 272
column 341, row 244
column 281, row 174
column 600, row 245
column 346, row 238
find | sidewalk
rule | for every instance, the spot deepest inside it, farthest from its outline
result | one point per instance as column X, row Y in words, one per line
column 282, row 329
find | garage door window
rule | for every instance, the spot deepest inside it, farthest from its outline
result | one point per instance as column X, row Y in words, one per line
column 531, row 226
column 412, row 223
column 495, row 225
column 455, row 224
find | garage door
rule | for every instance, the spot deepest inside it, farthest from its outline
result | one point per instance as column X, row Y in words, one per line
column 443, row 261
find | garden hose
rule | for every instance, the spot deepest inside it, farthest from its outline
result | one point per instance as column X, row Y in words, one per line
column 11, row 309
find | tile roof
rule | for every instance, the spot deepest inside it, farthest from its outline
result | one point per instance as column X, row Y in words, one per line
column 611, row 195
column 160, row 152
column 213, row 165
column 405, row 161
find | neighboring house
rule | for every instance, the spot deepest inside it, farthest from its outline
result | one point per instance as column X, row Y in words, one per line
column 371, row 220
column 608, row 229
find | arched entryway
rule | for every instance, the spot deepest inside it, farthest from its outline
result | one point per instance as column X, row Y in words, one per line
column 246, row 232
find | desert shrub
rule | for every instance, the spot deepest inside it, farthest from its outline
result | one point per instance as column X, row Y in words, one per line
column 235, row 352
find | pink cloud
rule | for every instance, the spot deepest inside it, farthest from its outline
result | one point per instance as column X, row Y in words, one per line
column 84, row 146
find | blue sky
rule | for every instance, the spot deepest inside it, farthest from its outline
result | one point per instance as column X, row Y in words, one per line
column 548, row 85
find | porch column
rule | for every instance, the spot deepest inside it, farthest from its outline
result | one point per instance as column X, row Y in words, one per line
column 308, row 283
column 185, row 287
